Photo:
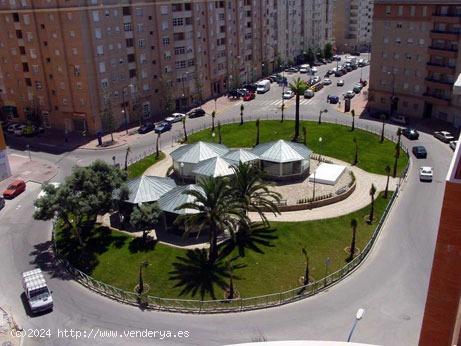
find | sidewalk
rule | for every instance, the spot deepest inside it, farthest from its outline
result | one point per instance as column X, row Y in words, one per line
column 8, row 329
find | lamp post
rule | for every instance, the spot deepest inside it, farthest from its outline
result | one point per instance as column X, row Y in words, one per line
column 181, row 171
column 358, row 317
column 124, row 112
column 320, row 115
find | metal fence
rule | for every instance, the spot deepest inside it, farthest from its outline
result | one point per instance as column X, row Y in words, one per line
column 239, row 304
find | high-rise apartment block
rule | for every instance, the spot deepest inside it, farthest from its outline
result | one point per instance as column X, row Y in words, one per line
column 71, row 59
column 415, row 59
column 353, row 24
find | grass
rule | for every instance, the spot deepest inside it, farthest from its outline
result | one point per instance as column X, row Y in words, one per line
column 139, row 167
column 337, row 141
column 114, row 258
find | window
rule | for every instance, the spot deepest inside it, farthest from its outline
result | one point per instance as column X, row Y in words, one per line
column 139, row 27
column 100, row 50
column 421, row 41
column 138, row 11
column 141, row 43
column 167, row 55
column 164, row 9
column 405, row 86
column 95, row 16
column 38, row 84
column 398, row 40
column 424, row 11
column 412, row 11
column 26, row 19
column 127, row 27
column 179, row 50
column 180, row 64
column 72, row 33
column 400, row 10
column 178, row 21
column 74, row 51
column 166, row 41
column 388, row 10
column 386, row 40
column 104, row 83
column 97, row 33
column 129, row 42
column 416, row 88
column 76, row 70
column 179, row 36
column 102, row 67
column 164, row 25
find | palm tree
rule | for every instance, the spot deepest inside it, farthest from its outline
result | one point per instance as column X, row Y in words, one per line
column 372, row 210
column 157, row 148
column 249, row 188
column 388, row 173
column 306, row 269
column 143, row 265
column 397, row 152
column 282, row 108
column 213, row 115
column 305, row 135
column 298, row 86
column 183, row 120
column 383, row 118
column 230, row 289
column 353, row 120
column 356, row 155
column 354, row 233
column 216, row 210
column 257, row 131
column 128, row 151
column 241, row 113
column 219, row 133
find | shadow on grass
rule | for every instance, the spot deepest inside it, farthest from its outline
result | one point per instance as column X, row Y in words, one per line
column 196, row 275
column 139, row 245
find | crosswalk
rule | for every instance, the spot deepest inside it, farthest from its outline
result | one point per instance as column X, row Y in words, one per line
column 278, row 103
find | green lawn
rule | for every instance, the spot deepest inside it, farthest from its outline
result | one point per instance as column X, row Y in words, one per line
column 138, row 168
column 114, row 258
column 337, row 141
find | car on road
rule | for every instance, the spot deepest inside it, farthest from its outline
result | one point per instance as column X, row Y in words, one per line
column 339, row 73
column 444, row 136
column 453, row 144
column 304, row 68
column 399, row 119
column 332, row 99
column 263, row 86
column 14, row 189
column 12, row 127
column 291, row 70
column 419, row 151
column 195, row 113
column 314, row 69
column 308, row 94
column 19, row 130
column 249, row 96
column 146, row 127
column 349, row 94
column 336, row 58
column 315, row 79
column 330, row 72
column 2, row 203
column 340, row 82
column 357, row 88
column 426, row 173
column 175, row 117
column 326, row 81
column 162, row 126
column 288, row 94
column 410, row 133
column 250, row 87
column 36, row 291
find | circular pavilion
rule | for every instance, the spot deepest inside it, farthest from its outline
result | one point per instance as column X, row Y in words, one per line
column 214, row 167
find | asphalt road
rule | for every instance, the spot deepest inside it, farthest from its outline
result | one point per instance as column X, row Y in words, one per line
column 391, row 285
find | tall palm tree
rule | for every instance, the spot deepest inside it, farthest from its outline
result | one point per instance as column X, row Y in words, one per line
column 397, row 152
column 372, row 195
column 128, row 151
column 298, row 86
column 157, row 146
column 388, row 173
column 383, row 118
column 213, row 115
column 183, row 120
column 249, row 188
column 353, row 120
column 216, row 210
column 257, row 131
column 354, row 233
column 306, row 268
column 356, row 154
column 241, row 113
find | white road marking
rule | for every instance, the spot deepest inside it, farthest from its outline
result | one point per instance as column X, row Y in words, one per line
column 20, row 155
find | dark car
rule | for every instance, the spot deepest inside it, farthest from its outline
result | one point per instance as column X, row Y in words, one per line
column 339, row 73
column 332, row 99
column 163, row 127
column 233, row 94
column 317, row 63
column 195, row 113
column 250, row 87
column 147, row 127
column 291, row 70
column 410, row 133
column 355, row 53
column 419, row 151
column 2, row 203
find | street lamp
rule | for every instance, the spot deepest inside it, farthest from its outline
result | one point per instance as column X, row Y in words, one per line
column 358, row 317
column 183, row 103
column 320, row 117
column 124, row 112
column 181, row 171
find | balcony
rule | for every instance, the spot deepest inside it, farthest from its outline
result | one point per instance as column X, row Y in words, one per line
column 442, row 84
column 444, row 51
column 438, row 99
column 449, row 35
column 452, row 18
column 440, row 68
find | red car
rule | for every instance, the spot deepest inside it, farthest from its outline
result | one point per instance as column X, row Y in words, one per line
column 14, row 189
column 249, row 96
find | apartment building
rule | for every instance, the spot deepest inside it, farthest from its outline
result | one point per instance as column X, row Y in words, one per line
column 415, row 59
column 73, row 58
column 317, row 23
column 5, row 170
column 353, row 24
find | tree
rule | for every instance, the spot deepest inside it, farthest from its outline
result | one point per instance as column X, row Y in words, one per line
column 372, row 209
column 354, row 233
column 305, row 135
column 143, row 265
column 183, row 120
column 249, row 188
column 319, row 53
column 356, row 155
column 128, row 151
column 219, row 133
column 166, row 96
column 213, row 115
column 144, row 217
column 157, row 146
column 353, row 120
column 282, row 108
column 397, row 152
column 298, row 86
column 108, row 121
column 241, row 113
column 198, row 87
column 137, row 110
column 306, row 268
column 383, row 118
column 34, row 112
column 216, row 210
column 388, row 173
column 328, row 50
column 257, row 131
column 310, row 56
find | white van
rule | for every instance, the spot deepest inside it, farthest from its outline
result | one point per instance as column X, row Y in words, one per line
column 304, row 68
column 37, row 293
column 263, row 86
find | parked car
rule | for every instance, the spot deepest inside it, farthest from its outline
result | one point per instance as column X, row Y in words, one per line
column 330, row 72
column 317, row 86
column 332, row 99
column 426, row 173
column 2, row 203
column 444, row 136
column 308, row 94
column 250, row 87
column 32, row 130
column 163, row 126
column 363, row 82
column 14, row 189
column 195, row 113
column 12, row 127
column 288, row 94
column 336, row 58
column 410, row 133
column 304, row 68
column 175, row 117
column 291, row 70
column 314, row 69
column 453, row 145
column 316, row 79
column 327, row 81
column 263, row 86
column 357, row 89
column 147, row 127
column 340, row 82
column 349, row 94
column 399, row 119
column 233, row 94
column 36, row 291
column 19, row 130
column 339, row 73
column 249, row 96
column 419, row 151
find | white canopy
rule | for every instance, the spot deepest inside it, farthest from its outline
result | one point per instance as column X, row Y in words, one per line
column 193, row 153
column 177, row 197
column 282, row 151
